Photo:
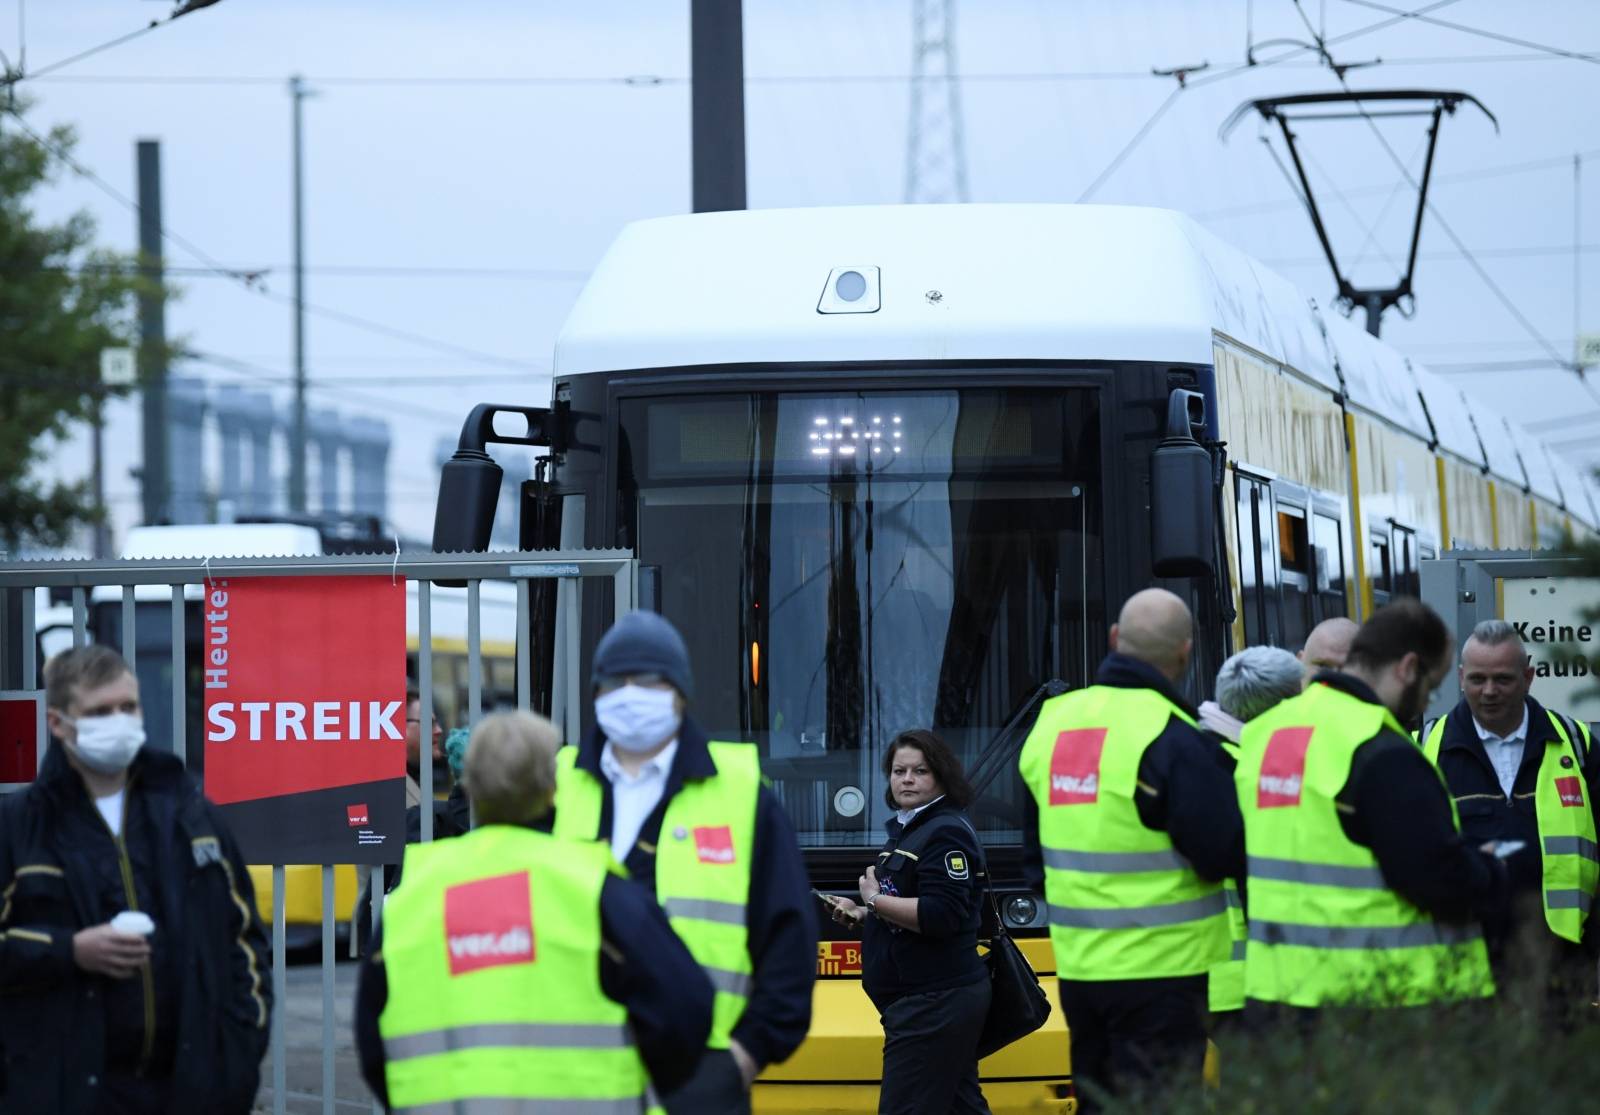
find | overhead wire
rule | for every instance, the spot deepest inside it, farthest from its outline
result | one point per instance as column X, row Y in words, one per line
column 250, row 282
column 1421, row 17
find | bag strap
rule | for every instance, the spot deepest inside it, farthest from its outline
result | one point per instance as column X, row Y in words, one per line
column 988, row 884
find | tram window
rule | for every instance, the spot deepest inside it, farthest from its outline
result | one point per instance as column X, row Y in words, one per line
column 1328, row 556
column 1380, row 569
column 1294, row 564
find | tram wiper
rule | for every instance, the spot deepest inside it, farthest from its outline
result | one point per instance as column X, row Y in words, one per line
column 1001, row 751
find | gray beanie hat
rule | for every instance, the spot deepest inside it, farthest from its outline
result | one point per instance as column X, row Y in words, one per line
column 643, row 643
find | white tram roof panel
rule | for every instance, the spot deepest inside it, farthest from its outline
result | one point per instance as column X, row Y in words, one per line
column 1377, row 377
column 1499, row 448
column 1541, row 477
column 1452, row 420
column 967, row 282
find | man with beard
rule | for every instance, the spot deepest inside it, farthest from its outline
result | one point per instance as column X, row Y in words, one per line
column 1362, row 889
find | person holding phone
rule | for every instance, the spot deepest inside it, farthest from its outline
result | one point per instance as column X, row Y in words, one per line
column 1523, row 777
column 920, row 909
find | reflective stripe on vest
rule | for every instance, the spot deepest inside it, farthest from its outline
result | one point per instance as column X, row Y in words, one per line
column 493, row 953
column 1570, row 861
column 1123, row 904
column 1225, row 986
column 703, row 864
column 513, row 1105
column 1324, row 928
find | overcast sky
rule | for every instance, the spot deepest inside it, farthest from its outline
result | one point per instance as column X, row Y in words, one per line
column 467, row 163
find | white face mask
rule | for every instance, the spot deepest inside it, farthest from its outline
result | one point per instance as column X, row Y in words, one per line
column 635, row 718
column 107, row 744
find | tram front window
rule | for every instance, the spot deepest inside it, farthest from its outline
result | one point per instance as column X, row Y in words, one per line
column 847, row 566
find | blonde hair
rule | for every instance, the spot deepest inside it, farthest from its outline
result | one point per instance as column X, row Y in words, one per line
column 86, row 667
column 510, row 769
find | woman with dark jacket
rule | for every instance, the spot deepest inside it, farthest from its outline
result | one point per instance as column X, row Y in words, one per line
column 920, row 909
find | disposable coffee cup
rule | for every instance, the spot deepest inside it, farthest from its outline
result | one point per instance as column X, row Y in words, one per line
column 134, row 922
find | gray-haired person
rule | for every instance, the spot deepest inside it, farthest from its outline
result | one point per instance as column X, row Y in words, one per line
column 1521, row 772
column 1249, row 683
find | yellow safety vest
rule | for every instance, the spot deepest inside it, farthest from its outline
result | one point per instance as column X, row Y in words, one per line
column 1325, row 928
column 1225, row 986
column 703, row 864
column 1568, row 849
column 1123, row 903
column 492, row 949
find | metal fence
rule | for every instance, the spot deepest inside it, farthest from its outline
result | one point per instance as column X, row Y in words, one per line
column 88, row 583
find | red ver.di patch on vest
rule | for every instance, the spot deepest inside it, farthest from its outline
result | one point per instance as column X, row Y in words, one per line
column 714, row 844
column 1570, row 791
column 1075, row 766
column 488, row 923
column 1283, row 768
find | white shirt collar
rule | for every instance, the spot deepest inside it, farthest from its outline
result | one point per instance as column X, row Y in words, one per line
column 656, row 766
column 1521, row 733
column 906, row 816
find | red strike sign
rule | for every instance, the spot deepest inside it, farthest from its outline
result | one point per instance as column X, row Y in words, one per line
column 305, row 683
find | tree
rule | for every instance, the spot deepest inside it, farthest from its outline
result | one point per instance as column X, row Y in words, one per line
column 61, row 302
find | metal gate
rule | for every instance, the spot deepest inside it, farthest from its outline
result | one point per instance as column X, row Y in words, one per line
column 107, row 595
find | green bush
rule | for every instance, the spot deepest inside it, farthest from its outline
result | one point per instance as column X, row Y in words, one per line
column 1530, row 1050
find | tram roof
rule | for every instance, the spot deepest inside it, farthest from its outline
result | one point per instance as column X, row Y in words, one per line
column 1003, row 282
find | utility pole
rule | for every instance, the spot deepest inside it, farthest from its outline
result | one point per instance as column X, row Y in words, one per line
column 297, row 426
column 155, row 472
column 716, row 103
column 936, row 157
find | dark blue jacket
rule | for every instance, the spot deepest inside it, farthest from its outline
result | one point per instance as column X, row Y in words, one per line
column 61, row 1028
column 643, row 967
column 1185, row 787
column 1488, row 814
column 779, row 916
column 941, row 873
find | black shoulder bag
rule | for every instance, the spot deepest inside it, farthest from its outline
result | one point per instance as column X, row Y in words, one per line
column 1018, row 1005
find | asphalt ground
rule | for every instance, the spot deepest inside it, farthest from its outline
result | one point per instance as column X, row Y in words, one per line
column 303, row 1043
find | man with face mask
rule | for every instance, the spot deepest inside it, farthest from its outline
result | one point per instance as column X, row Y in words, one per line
column 691, row 820
column 1361, row 888
column 133, row 968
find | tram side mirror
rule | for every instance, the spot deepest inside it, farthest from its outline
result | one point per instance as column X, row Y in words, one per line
column 469, row 483
column 1182, row 504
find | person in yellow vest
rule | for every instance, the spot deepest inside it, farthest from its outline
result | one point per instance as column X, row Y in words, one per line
column 1249, row 683
column 1327, row 646
column 1361, row 889
column 692, row 820
column 513, row 970
column 1521, row 772
column 1133, row 824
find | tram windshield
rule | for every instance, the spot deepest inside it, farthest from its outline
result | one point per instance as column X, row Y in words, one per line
column 845, row 566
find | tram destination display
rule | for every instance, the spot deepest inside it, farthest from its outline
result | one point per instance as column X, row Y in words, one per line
column 305, row 716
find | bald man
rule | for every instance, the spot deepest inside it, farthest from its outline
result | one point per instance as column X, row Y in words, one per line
column 1133, row 824
column 1327, row 646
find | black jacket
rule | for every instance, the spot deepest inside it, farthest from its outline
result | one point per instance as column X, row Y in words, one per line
column 1185, row 788
column 643, row 966
column 61, row 1026
column 934, row 859
column 779, row 917
column 1394, row 804
column 1487, row 814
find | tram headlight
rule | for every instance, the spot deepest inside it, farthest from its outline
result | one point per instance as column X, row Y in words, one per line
column 1022, row 911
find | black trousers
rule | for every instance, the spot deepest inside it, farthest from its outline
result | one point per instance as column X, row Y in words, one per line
column 1127, row 1032
column 930, row 1052
column 716, row 1088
